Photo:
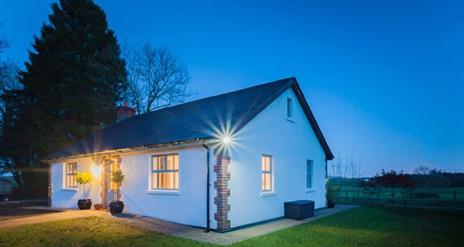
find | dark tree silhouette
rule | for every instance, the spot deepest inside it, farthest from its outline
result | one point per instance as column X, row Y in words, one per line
column 73, row 80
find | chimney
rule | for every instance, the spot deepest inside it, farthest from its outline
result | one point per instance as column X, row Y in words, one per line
column 124, row 111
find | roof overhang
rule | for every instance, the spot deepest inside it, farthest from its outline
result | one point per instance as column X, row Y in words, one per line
column 312, row 120
column 131, row 150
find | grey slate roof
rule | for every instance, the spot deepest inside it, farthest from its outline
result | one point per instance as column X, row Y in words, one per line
column 192, row 120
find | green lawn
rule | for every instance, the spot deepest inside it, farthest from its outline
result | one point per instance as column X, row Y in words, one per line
column 366, row 226
column 355, row 191
column 372, row 226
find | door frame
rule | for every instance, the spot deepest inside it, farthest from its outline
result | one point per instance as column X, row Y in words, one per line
column 105, row 176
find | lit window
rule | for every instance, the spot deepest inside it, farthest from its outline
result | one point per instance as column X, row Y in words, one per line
column 165, row 172
column 70, row 171
column 289, row 108
column 309, row 174
column 266, row 173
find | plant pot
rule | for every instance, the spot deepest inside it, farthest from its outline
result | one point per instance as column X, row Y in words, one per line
column 84, row 204
column 97, row 206
column 116, row 207
column 330, row 204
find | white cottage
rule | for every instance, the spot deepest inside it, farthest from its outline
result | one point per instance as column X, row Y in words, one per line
column 222, row 162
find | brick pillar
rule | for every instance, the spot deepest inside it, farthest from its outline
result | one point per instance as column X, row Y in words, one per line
column 223, row 192
column 104, row 183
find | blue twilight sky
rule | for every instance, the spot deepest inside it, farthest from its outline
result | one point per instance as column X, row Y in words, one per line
column 385, row 79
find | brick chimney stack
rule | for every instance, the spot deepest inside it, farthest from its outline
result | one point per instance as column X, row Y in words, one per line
column 124, row 111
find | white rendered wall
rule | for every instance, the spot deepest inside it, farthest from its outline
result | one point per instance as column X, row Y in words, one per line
column 67, row 197
column 188, row 206
column 290, row 143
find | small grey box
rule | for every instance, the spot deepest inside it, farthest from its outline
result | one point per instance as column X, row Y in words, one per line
column 299, row 209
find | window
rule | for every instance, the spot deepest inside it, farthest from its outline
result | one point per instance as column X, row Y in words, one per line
column 309, row 174
column 266, row 173
column 165, row 172
column 289, row 108
column 70, row 171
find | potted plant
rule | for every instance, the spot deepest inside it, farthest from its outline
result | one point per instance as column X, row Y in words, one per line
column 117, row 206
column 332, row 190
column 84, row 178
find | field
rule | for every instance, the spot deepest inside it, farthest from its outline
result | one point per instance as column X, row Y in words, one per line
column 452, row 198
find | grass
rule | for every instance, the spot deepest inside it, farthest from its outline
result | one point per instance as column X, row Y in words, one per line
column 372, row 226
column 366, row 226
column 92, row 231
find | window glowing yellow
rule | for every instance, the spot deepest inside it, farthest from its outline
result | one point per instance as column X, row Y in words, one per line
column 266, row 173
column 70, row 175
column 165, row 172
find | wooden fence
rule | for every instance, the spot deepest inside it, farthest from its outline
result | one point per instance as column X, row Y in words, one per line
column 415, row 198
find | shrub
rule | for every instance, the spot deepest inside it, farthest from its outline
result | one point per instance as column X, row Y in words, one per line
column 390, row 179
column 83, row 178
column 117, row 177
column 332, row 187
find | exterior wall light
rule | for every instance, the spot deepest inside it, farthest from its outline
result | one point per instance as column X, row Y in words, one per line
column 226, row 140
column 96, row 171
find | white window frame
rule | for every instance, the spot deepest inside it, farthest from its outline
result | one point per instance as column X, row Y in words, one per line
column 151, row 171
column 67, row 173
column 309, row 176
column 271, row 172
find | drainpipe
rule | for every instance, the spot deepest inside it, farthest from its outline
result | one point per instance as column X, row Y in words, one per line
column 207, row 188
column 326, row 169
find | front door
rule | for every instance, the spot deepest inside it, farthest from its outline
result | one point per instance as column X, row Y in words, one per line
column 109, row 189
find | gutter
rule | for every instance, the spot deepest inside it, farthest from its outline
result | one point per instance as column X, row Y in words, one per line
column 207, row 188
column 130, row 150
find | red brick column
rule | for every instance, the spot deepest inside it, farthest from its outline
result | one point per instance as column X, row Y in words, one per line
column 223, row 192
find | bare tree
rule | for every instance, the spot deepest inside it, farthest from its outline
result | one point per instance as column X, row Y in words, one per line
column 339, row 170
column 346, row 168
column 156, row 77
column 422, row 170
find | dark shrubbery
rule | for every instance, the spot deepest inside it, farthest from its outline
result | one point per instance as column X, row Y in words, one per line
column 390, row 179
column 439, row 179
column 431, row 179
